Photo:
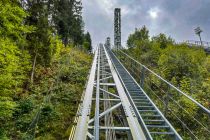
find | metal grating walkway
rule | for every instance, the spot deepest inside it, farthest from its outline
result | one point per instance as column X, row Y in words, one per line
column 153, row 122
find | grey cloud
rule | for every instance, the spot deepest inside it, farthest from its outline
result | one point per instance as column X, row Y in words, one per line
column 176, row 18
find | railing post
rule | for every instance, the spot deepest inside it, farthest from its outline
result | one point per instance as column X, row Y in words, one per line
column 166, row 100
column 142, row 76
column 120, row 56
column 123, row 58
column 132, row 72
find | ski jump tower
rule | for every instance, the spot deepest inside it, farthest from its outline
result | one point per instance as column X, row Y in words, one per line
column 117, row 28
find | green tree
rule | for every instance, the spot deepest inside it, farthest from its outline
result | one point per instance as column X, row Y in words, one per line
column 30, row 43
column 163, row 40
column 78, row 24
column 40, row 46
column 181, row 62
column 11, row 22
column 14, row 60
column 67, row 17
column 139, row 35
column 88, row 42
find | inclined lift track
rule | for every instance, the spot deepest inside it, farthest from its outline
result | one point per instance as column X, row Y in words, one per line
column 144, row 119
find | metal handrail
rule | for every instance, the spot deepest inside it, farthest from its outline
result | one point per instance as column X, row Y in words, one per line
column 204, row 44
column 73, row 129
column 171, row 85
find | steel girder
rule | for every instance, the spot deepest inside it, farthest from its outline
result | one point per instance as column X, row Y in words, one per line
column 103, row 77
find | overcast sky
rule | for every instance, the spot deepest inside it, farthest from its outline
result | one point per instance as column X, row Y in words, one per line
column 176, row 18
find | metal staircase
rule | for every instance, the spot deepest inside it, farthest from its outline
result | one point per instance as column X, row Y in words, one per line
column 152, row 120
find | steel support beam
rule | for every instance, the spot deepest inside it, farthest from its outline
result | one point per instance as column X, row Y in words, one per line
column 107, row 111
column 111, row 102
column 116, row 96
column 82, row 124
column 105, row 78
column 96, row 123
column 107, row 84
column 113, row 128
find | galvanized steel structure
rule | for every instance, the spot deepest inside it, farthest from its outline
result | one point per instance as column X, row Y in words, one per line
column 117, row 28
column 115, row 106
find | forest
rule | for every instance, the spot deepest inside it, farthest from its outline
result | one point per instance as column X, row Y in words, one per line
column 44, row 62
column 186, row 67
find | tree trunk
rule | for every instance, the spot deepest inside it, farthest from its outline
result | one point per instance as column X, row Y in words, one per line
column 34, row 66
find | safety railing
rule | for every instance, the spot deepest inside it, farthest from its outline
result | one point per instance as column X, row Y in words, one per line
column 188, row 116
column 199, row 43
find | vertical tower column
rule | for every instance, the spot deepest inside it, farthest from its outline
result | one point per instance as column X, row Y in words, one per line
column 117, row 28
column 108, row 42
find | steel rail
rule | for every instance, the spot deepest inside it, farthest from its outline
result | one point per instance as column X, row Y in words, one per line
column 81, row 131
column 96, row 122
column 71, row 136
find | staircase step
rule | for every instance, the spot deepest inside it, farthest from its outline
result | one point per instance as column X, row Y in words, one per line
column 145, row 115
column 140, row 97
column 154, row 121
column 141, row 100
column 162, row 133
column 143, row 103
column 157, row 126
column 144, row 107
column 147, row 111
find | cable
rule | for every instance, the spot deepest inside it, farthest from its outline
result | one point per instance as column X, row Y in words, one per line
column 172, row 112
column 182, row 107
column 134, row 72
